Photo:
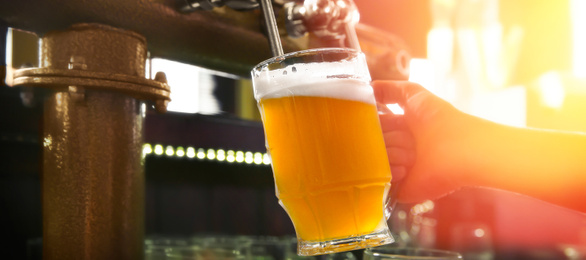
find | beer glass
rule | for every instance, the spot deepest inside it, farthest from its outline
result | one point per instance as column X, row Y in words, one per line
column 328, row 156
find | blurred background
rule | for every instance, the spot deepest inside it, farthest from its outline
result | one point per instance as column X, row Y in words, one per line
column 520, row 63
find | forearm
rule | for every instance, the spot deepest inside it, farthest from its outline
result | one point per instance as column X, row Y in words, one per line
column 547, row 165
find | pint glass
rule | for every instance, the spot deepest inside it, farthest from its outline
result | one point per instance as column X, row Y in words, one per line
column 328, row 156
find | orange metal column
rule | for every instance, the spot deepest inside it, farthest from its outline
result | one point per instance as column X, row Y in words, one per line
column 93, row 176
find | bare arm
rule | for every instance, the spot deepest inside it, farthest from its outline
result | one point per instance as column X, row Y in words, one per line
column 450, row 149
column 548, row 165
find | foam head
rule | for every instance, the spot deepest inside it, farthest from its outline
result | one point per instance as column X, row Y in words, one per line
column 332, row 72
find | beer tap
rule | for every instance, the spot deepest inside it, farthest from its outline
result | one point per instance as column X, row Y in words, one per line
column 321, row 23
column 242, row 5
column 332, row 20
column 272, row 30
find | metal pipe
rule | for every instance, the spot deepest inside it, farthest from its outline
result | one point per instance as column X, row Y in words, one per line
column 272, row 29
column 93, row 176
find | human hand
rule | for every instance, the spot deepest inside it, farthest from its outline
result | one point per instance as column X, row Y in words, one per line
column 419, row 143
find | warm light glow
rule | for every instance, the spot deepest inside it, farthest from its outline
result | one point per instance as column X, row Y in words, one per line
column 302, row 10
column 492, row 41
column 143, row 109
column 504, row 106
column 266, row 159
column 423, row 207
column 47, row 141
column 396, row 109
column 313, row 5
column 440, row 49
column 230, row 156
column 180, row 152
column 158, row 149
column 470, row 53
column 429, row 205
column 239, row 156
column 220, row 155
column 578, row 9
column 201, row 154
column 571, row 253
column 248, row 158
column 146, row 148
column 211, row 154
column 479, row 232
column 421, row 72
column 257, row 158
column 190, row 152
column 552, row 90
column 169, row 150
column 402, row 215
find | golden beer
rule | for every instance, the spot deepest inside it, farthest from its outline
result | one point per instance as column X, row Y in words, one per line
column 328, row 155
column 330, row 164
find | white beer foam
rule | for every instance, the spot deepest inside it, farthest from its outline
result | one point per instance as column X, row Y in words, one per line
column 343, row 88
column 344, row 79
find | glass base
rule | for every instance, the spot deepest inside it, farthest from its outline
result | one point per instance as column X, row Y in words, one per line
column 377, row 238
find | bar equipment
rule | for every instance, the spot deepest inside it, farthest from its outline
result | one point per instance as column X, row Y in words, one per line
column 93, row 72
column 329, row 161
column 93, row 182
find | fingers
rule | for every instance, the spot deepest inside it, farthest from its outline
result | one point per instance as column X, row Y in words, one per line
column 400, row 151
column 390, row 122
column 398, row 172
column 399, row 139
column 400, row 156
column 399, row 143
column 389, row 92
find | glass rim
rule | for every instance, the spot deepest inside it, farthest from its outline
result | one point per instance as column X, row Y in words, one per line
column 304, row 52
column 395, row 251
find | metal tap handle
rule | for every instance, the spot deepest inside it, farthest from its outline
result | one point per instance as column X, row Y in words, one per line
column 328, row 19
column 272, row 29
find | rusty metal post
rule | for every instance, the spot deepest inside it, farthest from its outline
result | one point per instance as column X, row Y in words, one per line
column 93, row 181
column 93, row 176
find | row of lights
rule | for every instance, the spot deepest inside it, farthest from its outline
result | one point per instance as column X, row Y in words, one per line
column 220, row 155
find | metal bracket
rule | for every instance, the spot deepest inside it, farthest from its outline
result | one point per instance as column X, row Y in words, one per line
column 73, row 81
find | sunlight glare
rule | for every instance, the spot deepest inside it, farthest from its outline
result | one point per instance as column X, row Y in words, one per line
column 577, row 9
column 421, row 72
column 396, row 109
column 552, row 89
